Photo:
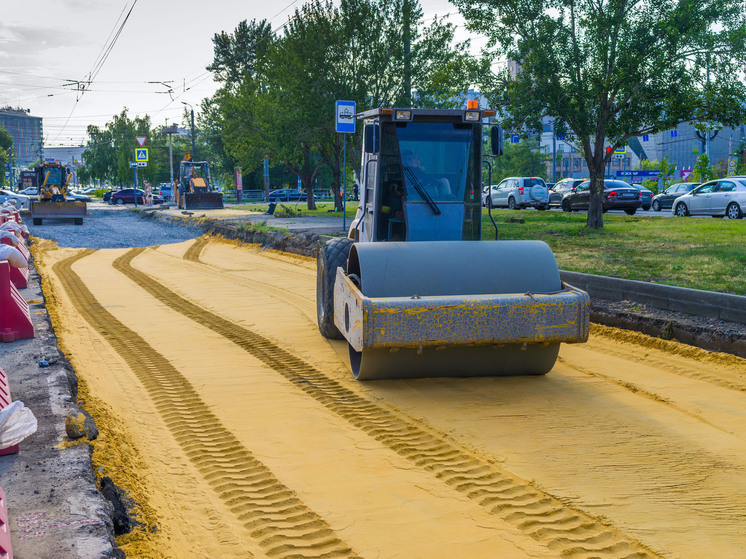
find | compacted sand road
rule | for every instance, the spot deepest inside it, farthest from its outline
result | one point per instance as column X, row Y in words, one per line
column 238, row 430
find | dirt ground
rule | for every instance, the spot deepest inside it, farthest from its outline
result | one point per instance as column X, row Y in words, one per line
column 238, row 431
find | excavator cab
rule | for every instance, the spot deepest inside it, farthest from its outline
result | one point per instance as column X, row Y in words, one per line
column 413, row 288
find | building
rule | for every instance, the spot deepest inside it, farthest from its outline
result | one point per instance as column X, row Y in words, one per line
column 27, row 132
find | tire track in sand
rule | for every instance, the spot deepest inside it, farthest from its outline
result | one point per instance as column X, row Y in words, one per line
column 561, row 528
column 271, row 512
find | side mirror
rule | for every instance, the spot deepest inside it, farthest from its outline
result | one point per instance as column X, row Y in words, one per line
column 496, row 140
column 372, row 138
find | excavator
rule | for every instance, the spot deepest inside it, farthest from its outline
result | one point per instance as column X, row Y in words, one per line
column 413, row 288
column 195, row 189
column 52, row 178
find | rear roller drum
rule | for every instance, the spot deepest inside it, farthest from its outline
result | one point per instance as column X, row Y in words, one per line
column 333, row 254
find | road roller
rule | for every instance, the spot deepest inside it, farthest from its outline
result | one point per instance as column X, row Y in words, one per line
column 413, row 288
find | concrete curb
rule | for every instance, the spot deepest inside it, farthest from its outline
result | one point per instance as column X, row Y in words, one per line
column 721, row 306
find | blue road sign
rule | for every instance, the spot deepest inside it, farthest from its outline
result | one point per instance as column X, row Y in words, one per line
column 645, row 138
column 345, row 117
column 674, row 133
column 141, row 154
column 514, row 139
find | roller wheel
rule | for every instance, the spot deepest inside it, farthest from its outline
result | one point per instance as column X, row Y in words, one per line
column 734, row 211
column 333, row 254
column 656, row 206
column 566, row 206
column 681, row 210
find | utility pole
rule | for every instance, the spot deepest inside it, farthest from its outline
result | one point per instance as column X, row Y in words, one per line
column 194, row 149
column 554, row 154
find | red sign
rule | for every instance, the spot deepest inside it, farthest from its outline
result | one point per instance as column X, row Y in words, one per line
column 141, row 140
column 239, row 180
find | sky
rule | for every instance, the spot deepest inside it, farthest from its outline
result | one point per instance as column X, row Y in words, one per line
column 154, row 64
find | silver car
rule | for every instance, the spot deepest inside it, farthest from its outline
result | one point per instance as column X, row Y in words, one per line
column 717, row 198
column 23, row 200
column 519, row 193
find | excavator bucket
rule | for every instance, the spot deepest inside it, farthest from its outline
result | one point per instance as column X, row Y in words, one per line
column 455, row 309
column 58, row 210
column 203, row 201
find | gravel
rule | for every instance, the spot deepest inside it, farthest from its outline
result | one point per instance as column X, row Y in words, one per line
column 112, row 227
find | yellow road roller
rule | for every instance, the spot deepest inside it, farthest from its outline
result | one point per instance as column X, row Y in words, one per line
column 413, row 288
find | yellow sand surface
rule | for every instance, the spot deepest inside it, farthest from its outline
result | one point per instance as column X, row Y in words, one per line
column 204, row 368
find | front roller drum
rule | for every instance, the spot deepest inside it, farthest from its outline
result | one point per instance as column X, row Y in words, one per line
column 457, row 361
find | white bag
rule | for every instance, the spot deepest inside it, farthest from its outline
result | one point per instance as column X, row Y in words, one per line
column 10, row 235
column 13, row 256
column 16, row 423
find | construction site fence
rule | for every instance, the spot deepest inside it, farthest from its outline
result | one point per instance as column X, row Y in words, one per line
column 257, row 196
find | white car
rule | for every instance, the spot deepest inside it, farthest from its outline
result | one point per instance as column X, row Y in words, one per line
column 717, row 198
column 30, row 191
column 519, row 193
column 23, row 200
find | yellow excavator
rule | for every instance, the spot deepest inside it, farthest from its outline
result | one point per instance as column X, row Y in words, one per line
column 413, row 288
column 53, row 178
column 195, row 189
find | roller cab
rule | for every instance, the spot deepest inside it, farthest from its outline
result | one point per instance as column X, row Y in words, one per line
column 413, row 289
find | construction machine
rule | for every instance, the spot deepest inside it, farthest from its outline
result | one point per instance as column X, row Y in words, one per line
column 413, row 288
column 52, row 179
column 195, row 189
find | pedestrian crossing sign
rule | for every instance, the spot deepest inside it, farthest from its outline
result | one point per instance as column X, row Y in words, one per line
column 141, row 154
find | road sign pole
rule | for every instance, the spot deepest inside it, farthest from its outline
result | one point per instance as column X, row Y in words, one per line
column 344, row 185
column 134, row 157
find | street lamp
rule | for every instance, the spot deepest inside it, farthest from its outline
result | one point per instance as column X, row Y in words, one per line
column 194, row 157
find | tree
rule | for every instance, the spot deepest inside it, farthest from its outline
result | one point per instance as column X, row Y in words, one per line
column 702, row 170
column 607, row 70
column 284, row 108
column 6, row 145
column 520, row 160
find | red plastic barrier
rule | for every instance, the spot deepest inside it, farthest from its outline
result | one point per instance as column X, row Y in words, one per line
column 5, row 400
column 6, row 550
column 19, row 276
column 15, row 318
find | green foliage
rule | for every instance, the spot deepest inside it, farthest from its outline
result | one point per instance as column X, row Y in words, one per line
column 6, row 144
column 609, row 70
column 519, row 160
column 282, row 104
column 703, row 171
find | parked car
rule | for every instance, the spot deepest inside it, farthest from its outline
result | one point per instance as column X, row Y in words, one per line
column 717, row 198
column 561, row 188
column 30, row 191
column 86, row 191
column 288, row 195
column 166, row 191
column 77, row 196
column 23, row 200
column 127, row 196
column 646, row 196
column 519, row 193
column 665, row 199
column 617, row 195
column 485, row 193
column 107, row 196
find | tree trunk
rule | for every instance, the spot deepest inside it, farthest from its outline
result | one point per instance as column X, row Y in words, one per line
column 595, row 205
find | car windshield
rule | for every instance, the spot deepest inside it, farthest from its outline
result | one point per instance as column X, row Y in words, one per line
column 533, row 182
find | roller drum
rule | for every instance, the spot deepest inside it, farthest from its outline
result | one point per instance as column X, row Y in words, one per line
column 435, row 269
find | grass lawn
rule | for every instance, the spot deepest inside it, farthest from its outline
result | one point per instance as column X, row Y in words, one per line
column 701, row 253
